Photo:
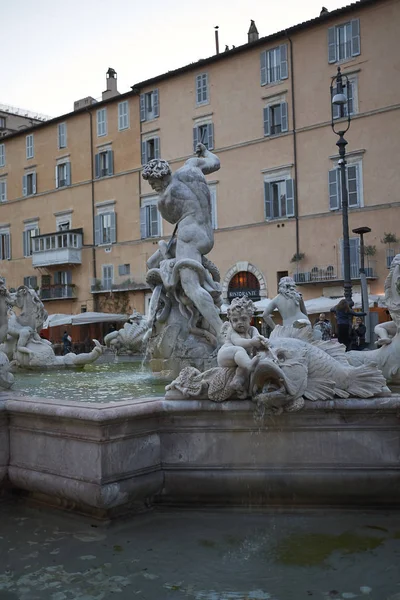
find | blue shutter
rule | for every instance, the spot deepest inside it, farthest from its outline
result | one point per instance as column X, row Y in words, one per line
column 284, row 116
column 142, row 107
column 144, row 153
column 56, row 176
column 266, row 121
column 113, row 233
column 69, row 277
column 156, row 147
column 110, row 162
column 143, row 227
column 24, row 185
column 68, row 172
column 156, row 105
column 210, row 136
column 26, row 243
column 33, row 183
column 97, row 230
column 353, row 185
column 289, row 198
column 97, row 165
column 153, row 214
column 263, row 67
column 332, row 45
column 195, row 138
column 334, row 189
column 284, row 62
column 7, row 246
column 355, row 37
column 335, row 107
column 267, row 200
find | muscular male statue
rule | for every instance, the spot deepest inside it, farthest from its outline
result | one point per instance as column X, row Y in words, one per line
column 184, row 200
column 289, row 303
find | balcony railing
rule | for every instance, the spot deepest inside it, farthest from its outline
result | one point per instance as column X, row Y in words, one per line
column 119, row 283
column 58, row 291
column 330, row 273
column 60, row 248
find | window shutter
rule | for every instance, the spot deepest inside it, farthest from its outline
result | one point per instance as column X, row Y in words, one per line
column 284, row 116
column 353, row 185
column 57, row 278
column 69, row 277
column 334, row 189
column 110, row 162
column 97, row 230
column 263, row 66
column 205, row 87
column 33, row 183
column 195, row 138
column 25, row 243
column 289, row 198
column 266, row 121
column 355, row 37
column 56, row 176
column 120, row 116
column 97, row 165
column 284, row 62
column 156, row 147
column 350, row 96
column 8, row 246
column 24, row 185
column 335, row 107
column 144, row 153
column 331, row 45
column 142, row 108
column 143, row 228
column 68, row 172
column 3, row 191
column 113, row 232
column 267, row 200
column 156, row 106
column 213, row 198
column 210, row 136
column 154, row 229
column 198, row 89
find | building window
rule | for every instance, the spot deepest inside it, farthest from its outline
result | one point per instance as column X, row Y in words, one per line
column 2, row 155
column 213, row 196
column 354, row 186
column 275, row 118
column 150, row 219
column 351, row 94
column 30, row 232
column 124, row 269
column 62, row 135
column 5, row 245
column 29, row 184
column 31, row 281
column 202, row 89
column 354, row 257
column 149, row 106
column 274, row 65
column 123, row 115
column 3, row 190
column 105, row 228
column 344, row 41
column 101, row 116
column 63, row 174
column 29, row 146
column 107, row 278
column 279, row 198
column 2, row 122
column 150, row 149
column 203, row 133
column 104, row 163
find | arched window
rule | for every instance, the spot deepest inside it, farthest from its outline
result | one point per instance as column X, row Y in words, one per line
column 244, row 283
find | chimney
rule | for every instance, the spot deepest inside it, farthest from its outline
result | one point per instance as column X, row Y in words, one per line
column 111, row 80
column 216, row 39
column 252, row 34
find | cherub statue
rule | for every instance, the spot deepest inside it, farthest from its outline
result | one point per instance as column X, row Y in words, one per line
column 242, row 342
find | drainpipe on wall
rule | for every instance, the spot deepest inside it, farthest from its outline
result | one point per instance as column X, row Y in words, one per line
column 95, row 297
column 296, row 203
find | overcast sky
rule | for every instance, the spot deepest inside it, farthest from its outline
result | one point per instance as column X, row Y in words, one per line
column 56, row 52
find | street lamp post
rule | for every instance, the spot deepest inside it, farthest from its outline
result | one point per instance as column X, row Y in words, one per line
column 363, row 278
column 338, row 84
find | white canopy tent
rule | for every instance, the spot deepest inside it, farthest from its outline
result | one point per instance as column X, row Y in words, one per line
column 83, row 319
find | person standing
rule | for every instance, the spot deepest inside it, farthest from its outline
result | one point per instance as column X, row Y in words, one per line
column 344, row 316
column 359, row 332
column 324, row 326
column 67, row 343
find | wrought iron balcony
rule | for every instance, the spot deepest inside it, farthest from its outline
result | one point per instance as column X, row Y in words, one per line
column 58, row 291
column 60, row 248
column 330, row 273
column 119, row 284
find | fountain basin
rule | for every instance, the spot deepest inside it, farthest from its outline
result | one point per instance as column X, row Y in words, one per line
column 105, row 459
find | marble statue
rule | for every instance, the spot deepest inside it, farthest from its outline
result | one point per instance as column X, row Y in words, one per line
column 289, row 367
column 6, row 378
column 289, row 303
column 22, row 343
column 184, row 310
column 387, row 356
column 130, row 338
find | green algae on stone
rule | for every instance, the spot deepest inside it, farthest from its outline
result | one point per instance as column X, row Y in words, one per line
column 312, row 549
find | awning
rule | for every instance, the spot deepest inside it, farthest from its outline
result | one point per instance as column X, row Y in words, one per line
column 83, row 319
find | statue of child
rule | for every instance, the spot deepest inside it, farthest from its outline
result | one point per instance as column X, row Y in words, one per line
column 241, row 343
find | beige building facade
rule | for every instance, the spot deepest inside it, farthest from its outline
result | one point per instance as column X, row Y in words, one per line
column 78, row 222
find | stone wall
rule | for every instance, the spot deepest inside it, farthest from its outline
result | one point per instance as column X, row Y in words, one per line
column 105, row 459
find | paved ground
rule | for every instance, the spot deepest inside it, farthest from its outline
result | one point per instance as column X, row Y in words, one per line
column 49, row 555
